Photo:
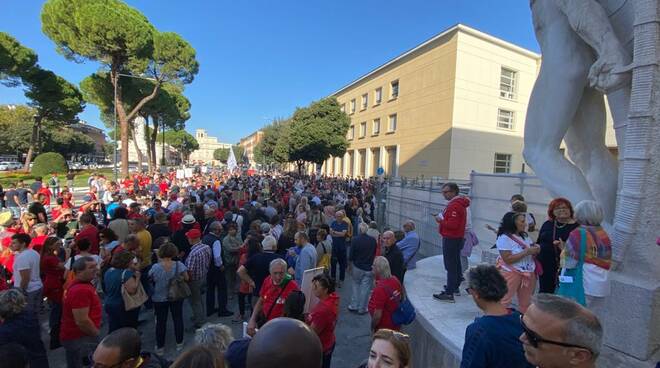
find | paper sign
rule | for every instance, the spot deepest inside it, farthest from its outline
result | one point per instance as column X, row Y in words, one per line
column 310, row 299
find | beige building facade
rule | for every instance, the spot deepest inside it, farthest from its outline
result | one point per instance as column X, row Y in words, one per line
column 207, row 145
column 249, row 143
column 453, row 104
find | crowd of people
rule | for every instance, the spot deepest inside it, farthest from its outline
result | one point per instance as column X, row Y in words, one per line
column 240, row 246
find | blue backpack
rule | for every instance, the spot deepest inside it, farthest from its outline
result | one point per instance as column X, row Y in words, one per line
column 404, row 314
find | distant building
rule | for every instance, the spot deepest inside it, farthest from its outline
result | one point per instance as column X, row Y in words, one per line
column 207, row 145
column 96, row 134
column 452, row 104
column 249, row 143
column 137, row 150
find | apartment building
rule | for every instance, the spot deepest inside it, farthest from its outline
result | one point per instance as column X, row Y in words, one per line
column 249, row 143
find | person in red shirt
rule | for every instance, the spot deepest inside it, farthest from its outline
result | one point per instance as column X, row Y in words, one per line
column 47, row 194
column 40, row 235
column 323, row 317
column 385, row 297
column 81, row 313
column 274, row 291
column 88, row 231
column 52, row 269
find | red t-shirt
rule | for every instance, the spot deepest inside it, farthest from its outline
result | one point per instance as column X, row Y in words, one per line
column 324, row 317
column 79, row 295
column 47, row 194
column 91, row 233
column 268, row 295
column 383, row 297
column 38, row 242
column 53, row 278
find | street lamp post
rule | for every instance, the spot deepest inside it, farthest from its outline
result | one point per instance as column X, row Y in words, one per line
column 162, row 159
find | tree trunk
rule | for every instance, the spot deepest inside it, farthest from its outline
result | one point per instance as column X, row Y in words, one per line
column 300, row 166
column 147, row 142
column 152, row 142
column 122, row 116
column 33, row 143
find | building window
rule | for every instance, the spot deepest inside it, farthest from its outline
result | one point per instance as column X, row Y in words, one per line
column 352, row 106
column 508, row 84
column 391, row 127
column 505, row 119
column 378, row 96
column 351, row 132
column 502, row 163
column 375, row 129
column 394, row 89
column 365, row 101
column 343, row 107
column 363, row 129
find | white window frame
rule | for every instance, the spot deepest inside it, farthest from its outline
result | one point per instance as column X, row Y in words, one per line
column 351, row 132
column 392, row 94
column 502, row 163
column 353, row 106
column 508, row 84
column 391, row 128
column 375, row 123
column 363, row 130
column 378, row 96
column 364, row 102
column 506, row 119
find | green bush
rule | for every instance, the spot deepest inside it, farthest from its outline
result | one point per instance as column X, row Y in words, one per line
column 47, row 163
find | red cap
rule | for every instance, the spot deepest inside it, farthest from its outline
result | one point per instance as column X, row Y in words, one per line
column 193, row 234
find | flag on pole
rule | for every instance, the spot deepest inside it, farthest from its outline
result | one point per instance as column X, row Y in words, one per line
column 231, row 161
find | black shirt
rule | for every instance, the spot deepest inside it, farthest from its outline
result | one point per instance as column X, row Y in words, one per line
column 258, row 267
column 362, row 252
column 395, row 258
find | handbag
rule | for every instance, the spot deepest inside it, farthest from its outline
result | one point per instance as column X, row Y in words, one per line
column 177, row 287
column 132, row 301
column 404, row 314
column 538, row 267
column 571, row 280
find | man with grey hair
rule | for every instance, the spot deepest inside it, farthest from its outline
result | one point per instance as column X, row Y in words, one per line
column 559, row 333
column 409, row 246
column 215, row 336
column 360, row 259
column 216, row 282
column 305, row 259
column 274, row 291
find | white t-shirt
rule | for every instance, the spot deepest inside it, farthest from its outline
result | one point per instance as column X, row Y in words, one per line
column 96, row 257
column 28, row 260
column 505, row 243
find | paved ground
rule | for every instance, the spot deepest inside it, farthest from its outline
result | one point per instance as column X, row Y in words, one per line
column 353, row 337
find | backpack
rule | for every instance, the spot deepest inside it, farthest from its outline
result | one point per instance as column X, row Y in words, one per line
column 404, row 314
column 324, row 261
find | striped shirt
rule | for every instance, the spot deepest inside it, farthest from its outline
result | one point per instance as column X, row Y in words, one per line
column 598, row 246
column 198, row 261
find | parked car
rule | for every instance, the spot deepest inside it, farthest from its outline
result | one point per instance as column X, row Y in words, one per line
column 10, row 165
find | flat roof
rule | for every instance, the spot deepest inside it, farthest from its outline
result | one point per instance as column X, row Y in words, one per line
column 456, row 28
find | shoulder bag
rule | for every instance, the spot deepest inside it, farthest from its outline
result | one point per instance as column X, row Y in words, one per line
column 538, row 267
column 404, row 314
column 177, row 287
column 132, row 301
column 263, row 318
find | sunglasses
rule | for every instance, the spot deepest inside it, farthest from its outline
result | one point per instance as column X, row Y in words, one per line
column 535, row 339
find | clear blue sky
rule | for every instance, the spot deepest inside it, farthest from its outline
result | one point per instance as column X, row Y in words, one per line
column 259, row 59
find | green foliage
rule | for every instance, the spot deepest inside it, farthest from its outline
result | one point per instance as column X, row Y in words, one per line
column 222, row 154
column 316, row 132
column 173, row 59
column 52, row 96
column 108, row 31
column 49, row 162
column 182, row 141
column 15, row 60
column 267, row 152
column 68, row 140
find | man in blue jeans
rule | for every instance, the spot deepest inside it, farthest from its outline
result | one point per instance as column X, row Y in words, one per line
column 338, row 231
column 361, row 258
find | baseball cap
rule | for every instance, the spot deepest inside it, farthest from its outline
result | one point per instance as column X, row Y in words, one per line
column 194, row 234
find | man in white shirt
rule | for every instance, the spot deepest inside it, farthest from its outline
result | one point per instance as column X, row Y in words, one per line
column 26, row 271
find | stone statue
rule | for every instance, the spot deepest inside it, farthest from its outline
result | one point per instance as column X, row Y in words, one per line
column 594, row 49
column 586, row 47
